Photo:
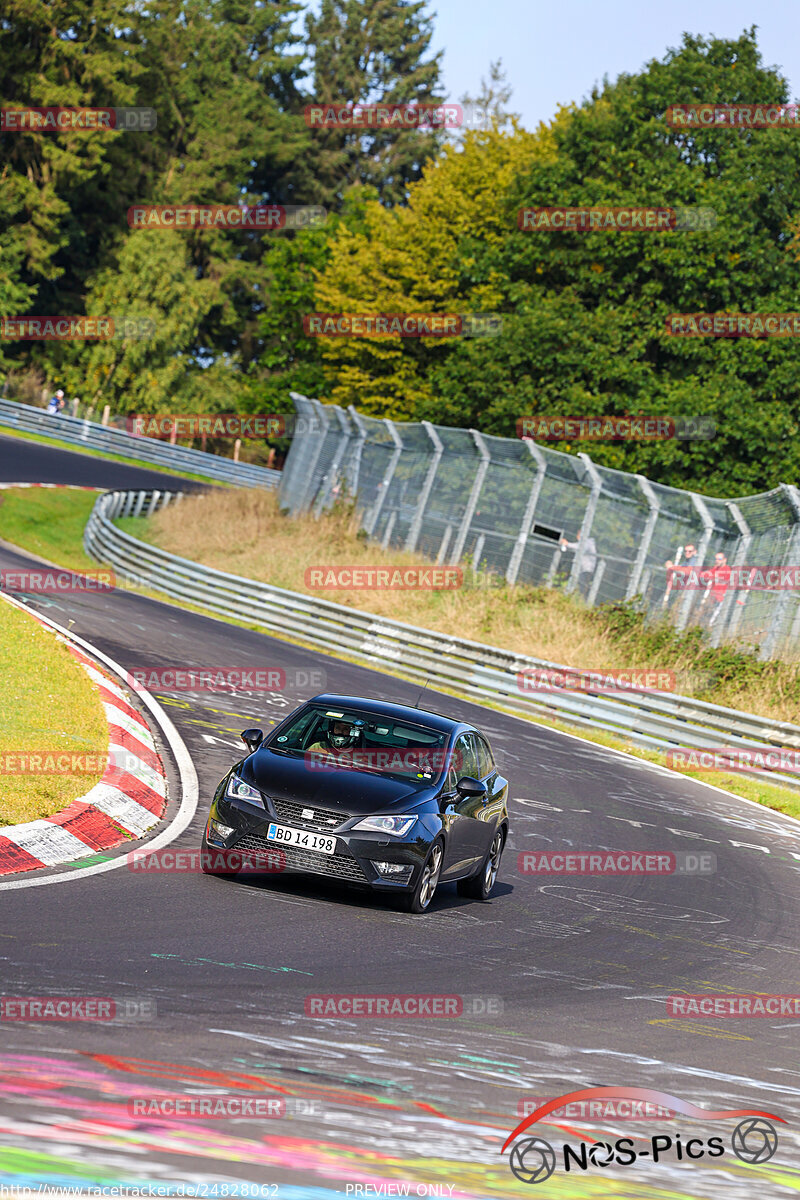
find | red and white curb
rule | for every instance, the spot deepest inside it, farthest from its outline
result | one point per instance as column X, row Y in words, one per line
column 127, row 803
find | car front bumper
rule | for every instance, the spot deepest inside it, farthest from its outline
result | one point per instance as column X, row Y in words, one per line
column 355, row 860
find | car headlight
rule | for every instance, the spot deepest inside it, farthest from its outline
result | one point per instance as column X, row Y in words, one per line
column 237, row 789
column 398, row 826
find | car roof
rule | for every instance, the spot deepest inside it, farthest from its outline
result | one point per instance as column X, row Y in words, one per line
column 395, row 712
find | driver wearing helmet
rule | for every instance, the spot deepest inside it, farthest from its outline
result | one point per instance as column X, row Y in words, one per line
column 339, row 736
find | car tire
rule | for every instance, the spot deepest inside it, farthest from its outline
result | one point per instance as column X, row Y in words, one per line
column 418, row 900
column 479, row 886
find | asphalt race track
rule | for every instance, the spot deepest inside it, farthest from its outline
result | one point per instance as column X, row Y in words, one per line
column 572, row 973
column 35, row 462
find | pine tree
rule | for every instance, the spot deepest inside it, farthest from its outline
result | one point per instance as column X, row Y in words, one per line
column 364, row 52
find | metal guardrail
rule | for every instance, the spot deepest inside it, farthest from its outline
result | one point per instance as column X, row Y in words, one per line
column 656, row 721
column 82, row 432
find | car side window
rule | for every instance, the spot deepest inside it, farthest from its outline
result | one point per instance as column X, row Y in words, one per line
column 486, row 763
column 465, row 760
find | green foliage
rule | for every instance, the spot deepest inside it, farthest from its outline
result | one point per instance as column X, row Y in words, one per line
column 584, row 313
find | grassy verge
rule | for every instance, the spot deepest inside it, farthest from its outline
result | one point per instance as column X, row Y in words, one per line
column 50, row 706
column 7, row 431
column 534, row 621
column 49, row 523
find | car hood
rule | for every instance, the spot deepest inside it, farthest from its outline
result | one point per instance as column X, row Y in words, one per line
column 352, row 792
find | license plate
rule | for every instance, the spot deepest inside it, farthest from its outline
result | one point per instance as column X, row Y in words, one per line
column 298, row 837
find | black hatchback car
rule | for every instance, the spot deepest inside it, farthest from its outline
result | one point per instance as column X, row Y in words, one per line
column 378, row 795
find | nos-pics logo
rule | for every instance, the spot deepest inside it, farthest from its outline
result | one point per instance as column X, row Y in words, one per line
column 533, row 1160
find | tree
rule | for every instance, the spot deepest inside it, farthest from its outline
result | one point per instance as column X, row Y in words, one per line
column 368, row 51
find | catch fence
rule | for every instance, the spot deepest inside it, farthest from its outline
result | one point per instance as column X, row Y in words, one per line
column 505, row 504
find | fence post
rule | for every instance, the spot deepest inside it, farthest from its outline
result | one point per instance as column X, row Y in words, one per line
column 355, row 417
column 739, row 558
column 330, row 480
column 307, row 494
column 515, row 562
column 371, row 523
column 708, row 529
column 771, row 642
column 472, row 502
column 647, row 536
column 425, row 494
column 588, row 519
column 445, row 542
column 596, row 581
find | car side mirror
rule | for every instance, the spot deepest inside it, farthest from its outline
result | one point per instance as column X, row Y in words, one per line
column 471, row 788
column 252, row 738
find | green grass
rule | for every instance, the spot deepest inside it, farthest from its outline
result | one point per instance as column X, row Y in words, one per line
column 48, row 704
column 8, row 431
column 55, row 530
column 49, row 523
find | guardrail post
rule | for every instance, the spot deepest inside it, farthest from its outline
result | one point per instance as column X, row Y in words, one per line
column 588, row 519
column 515, row 562
column 474, row 495
column 153, row 503
column 771, row 642
column 371, row 523
column 137, row 508
column 708, row 529
column 647, row 536
column 424, row 496
column 739, row 558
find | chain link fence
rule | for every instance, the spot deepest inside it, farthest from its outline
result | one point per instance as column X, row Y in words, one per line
column 505, row 505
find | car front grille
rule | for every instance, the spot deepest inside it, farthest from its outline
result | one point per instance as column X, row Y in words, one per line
column 339, row 866
column 323, row 820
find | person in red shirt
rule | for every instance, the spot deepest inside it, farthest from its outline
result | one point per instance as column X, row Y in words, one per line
column 717, row 580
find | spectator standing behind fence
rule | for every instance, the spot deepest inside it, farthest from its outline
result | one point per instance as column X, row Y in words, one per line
column 588, row 562
column 56, row 403
column 679, row 567
column 717, row 580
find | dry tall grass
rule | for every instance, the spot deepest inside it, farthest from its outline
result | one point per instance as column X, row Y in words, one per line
column 244, row 532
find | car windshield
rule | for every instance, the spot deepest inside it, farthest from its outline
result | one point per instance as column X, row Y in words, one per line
column 349, row 739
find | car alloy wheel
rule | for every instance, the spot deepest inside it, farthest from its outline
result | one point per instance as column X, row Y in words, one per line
column 418, row 900
column 479, row 885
